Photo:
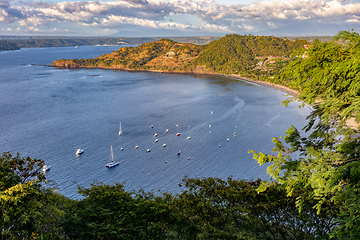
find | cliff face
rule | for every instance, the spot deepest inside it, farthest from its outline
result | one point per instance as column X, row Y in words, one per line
column 231, row 54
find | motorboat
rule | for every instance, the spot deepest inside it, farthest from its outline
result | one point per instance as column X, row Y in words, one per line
column 164, row 145
column 46, row 168
column 79, row 151
column 148, row 150
column 188, row 138
column 178, row 152
column 178, row 134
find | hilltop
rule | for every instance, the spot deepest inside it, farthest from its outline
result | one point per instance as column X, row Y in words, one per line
column 233, row 54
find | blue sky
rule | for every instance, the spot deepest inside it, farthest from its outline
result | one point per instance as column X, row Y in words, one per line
column 165, row 18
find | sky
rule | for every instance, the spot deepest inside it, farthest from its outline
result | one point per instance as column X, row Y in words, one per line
column 171, row 18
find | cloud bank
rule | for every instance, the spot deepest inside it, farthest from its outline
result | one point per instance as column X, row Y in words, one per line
column 161, row 16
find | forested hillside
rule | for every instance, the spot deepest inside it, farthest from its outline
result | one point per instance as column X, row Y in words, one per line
column 241, row 53
column 4, row 45
column 313, row 194
column 232, row 54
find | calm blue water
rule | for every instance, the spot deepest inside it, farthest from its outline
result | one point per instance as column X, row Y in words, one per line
column 48, row 113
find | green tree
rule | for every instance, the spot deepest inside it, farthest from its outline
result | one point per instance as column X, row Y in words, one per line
column 24, row 201
column 109, row 212
column 212, row 208
column 329, row 158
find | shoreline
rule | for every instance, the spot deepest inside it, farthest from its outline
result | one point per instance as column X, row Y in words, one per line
column 351, row 123
column 282, row 88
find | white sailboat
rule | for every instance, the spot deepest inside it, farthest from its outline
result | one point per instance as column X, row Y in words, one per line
column 112, row 163
column 120, row 131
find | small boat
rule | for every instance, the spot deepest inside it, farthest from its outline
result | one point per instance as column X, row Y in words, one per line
column 148, row 150
column 212, row 112
column 189, row 158
column 46, row 168
column 177, row 125
column 156, row 140
column 210, row 126
column 210, row 132
column 164, row 145
column 178, row 134
column 121, row 149
column 155, row 135
column 188, row 138
column 136, row 147
column 178, row 152
column 152, row 126
column 112, row 163
column 227, row 139
column 120, row 131
column 167, row 130
column 79, row 151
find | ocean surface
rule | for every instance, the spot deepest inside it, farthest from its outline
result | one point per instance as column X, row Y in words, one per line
column 48, row 113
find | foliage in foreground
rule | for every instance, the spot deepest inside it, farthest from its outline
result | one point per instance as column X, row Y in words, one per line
column 208, row 208
column 329, row 163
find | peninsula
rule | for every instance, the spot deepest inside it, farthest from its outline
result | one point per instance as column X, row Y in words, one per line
column 245, row 55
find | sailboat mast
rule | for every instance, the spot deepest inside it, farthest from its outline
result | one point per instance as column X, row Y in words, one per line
column 112, row 154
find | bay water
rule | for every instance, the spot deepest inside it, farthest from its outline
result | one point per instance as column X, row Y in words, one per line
column 49, row 113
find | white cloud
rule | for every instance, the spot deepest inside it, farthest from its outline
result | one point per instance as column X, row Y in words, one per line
column 156, row 14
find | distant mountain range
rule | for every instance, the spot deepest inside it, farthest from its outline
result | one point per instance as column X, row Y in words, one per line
column 17, row 42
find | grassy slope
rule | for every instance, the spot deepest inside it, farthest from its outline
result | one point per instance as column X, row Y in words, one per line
column 231, row 54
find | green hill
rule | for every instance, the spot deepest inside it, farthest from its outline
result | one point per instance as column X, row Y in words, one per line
column 232, row 54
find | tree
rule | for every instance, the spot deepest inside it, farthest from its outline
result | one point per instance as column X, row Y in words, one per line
column 24, row 200
column 329, row 158
column 212, row 208
column 109, row 212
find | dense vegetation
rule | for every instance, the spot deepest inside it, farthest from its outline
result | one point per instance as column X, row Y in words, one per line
column 239, row 54
column 4, row 45
column 328, row 168
column 207, row 208
column 247, row 55
column 313, row 196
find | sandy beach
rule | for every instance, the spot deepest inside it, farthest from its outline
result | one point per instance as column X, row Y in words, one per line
column 351, row 122
column 268, row 84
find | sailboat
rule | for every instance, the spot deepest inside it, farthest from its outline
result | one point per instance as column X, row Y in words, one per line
column 178, row 152
column 120, row 132
column 112, row 163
